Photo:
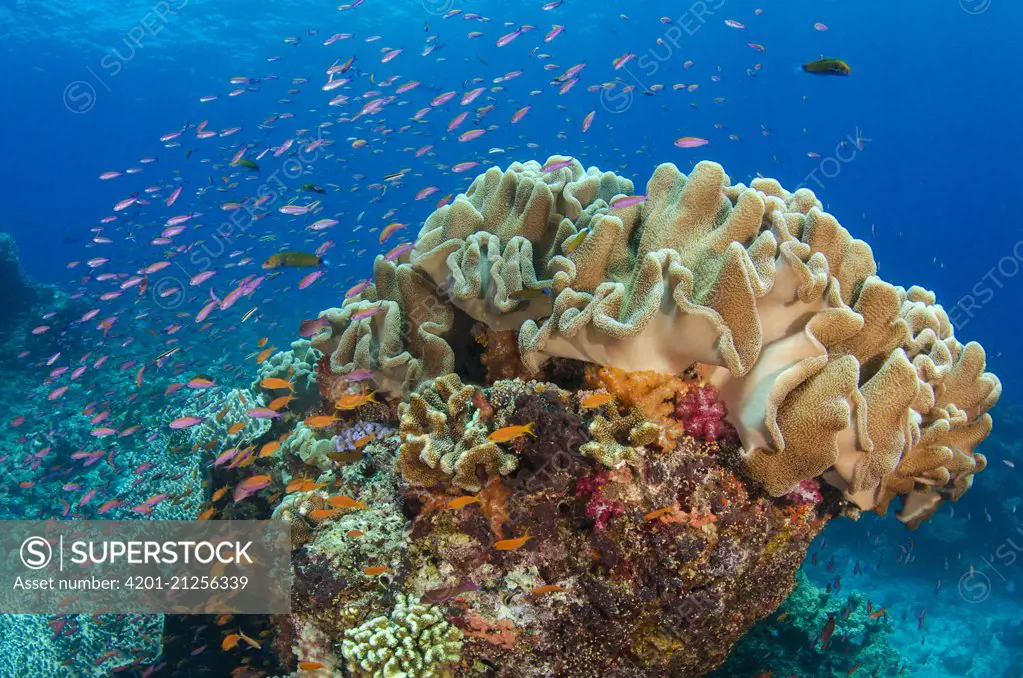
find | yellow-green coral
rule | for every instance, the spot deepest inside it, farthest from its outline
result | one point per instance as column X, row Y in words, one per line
column 617, row 438
column 442, row 437
column 306, row 444
column 413, row 641
column 401, row 342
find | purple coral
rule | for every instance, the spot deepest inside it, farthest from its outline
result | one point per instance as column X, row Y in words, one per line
column 345, row 441
column 702, row 414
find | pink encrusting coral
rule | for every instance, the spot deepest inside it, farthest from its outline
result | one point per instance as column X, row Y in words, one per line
column 703, row 414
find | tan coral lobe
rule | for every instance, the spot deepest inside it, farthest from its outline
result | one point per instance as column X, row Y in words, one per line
column 826, row 370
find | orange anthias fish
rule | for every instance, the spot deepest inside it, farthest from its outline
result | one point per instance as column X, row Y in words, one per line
column 350, row 401
column 344, row 501
column 320, row 421
column 550, row 588
column 321, row 514
column 230, row 641
column 512, row 544
column 509, row 433
column 235, row 428
column 461, row 502
column 275, row 383
column 877, row 614
column 302, row 485
column 654, row 515
column 309, row 666
column 278, row 403
column 373, row 571
column 269, row 448
column 596, row 400
column 352, row 534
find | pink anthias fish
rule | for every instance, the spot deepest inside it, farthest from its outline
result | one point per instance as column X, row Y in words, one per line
column 555, row 165
column 442, row 99
column 322, row 224
column 185, row 422
column 364, row 313
column 263, row 413
column 555, row 31
column 357, row 289
column 310, row 328
column 690, row 142
column 248, row 487
column 309, row 279
column 464, row 166
column 471, row 96
column 627, row 201
column 507, row 38
column 458, row 120
column 471, row 134
column 520, row 114
column 731, row 23
column 588, row 120
column 622, row 60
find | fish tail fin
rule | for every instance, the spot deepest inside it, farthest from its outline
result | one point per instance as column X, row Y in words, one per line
column 530, row 428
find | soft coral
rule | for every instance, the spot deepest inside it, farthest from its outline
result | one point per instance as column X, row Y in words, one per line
column 702, row 414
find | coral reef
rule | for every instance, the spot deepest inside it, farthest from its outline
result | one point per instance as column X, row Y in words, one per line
column 793, row 642
column 669, row 554
column 823, row 368
column 703, row 379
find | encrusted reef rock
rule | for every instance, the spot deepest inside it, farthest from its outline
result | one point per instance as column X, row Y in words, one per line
column 571, row 558
column 609, row 429
column 794, row 643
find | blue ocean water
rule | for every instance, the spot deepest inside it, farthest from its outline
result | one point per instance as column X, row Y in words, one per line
column 917, row 152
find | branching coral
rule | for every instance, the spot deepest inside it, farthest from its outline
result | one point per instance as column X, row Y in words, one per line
column 222, row 411
column 413, row 641
column 825, row 369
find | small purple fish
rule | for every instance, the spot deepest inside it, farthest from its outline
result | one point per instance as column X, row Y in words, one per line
column 627, row 201
column 263, row 413
column 555, row 165
column 310, row 328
